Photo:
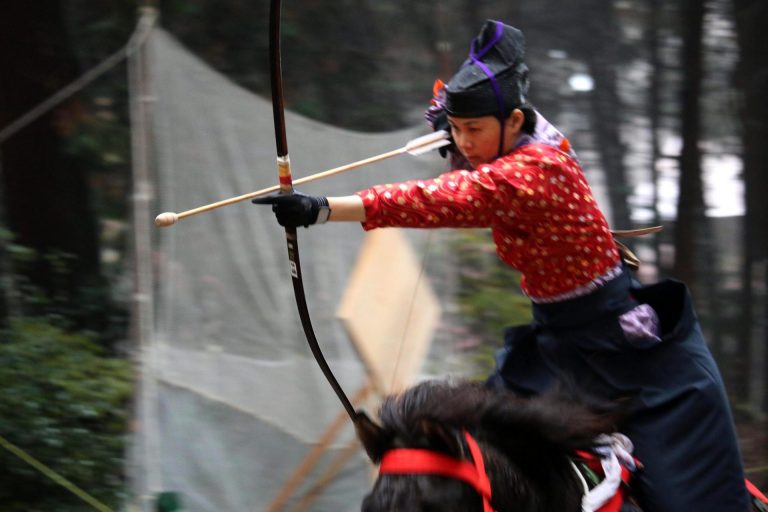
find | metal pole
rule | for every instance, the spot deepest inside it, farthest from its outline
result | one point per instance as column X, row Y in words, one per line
column 143, row 306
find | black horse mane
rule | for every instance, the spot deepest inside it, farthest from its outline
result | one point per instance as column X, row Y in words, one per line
column 526, row 443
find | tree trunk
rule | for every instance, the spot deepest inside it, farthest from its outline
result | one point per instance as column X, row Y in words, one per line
column 690, row 206
column 602, row 58
column 752, row 81
column 654, row 114
column 695, row 261
column 44, row 195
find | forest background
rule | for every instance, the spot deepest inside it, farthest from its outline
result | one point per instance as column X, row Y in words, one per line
column 662, row 96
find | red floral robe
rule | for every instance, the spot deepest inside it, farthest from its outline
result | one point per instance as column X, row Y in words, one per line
column 536, row 200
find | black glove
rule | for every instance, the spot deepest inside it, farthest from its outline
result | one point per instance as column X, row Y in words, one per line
column 296, row 209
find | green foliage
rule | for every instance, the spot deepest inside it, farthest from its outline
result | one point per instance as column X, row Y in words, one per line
column 64, row 400
column 490, row 298
column 96, row 138
column 70, row 302
column 65, row 404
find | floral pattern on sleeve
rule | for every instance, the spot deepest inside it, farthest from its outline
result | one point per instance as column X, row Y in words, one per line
column 536, row 200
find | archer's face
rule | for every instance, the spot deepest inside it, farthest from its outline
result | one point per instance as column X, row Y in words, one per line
column 478, row 137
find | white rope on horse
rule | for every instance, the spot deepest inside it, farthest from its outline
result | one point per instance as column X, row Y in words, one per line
column 614, row 451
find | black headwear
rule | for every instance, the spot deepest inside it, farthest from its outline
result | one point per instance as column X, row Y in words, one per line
column 494, row 79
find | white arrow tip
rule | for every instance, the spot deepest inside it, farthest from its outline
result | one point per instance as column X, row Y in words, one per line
column 166, row 219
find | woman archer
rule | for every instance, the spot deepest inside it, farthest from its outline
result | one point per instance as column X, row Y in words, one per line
column 594, row 326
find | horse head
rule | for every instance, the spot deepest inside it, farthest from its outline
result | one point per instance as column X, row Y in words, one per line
column 525, row 445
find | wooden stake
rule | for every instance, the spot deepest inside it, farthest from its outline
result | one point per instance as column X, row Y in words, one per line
column 328, row 477
column 306, row 465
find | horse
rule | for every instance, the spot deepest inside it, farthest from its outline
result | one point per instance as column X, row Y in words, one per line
column 525, row 446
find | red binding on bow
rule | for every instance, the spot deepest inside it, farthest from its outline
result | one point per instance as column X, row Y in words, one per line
column 414, row 461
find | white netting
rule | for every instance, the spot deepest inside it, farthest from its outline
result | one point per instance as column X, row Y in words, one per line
column 233, row 399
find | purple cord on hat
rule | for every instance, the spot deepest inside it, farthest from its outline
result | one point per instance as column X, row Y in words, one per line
column 491, row 44
column 475, row 57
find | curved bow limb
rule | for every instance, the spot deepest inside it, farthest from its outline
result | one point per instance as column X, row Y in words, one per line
column 286, row 186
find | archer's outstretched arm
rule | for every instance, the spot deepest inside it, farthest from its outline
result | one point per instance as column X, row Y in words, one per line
column 297, row 209
column 346, row 208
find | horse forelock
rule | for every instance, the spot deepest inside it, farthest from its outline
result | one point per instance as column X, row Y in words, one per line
column 525, row 443
column 430, row 415
column 457, row 405
column 512, row 491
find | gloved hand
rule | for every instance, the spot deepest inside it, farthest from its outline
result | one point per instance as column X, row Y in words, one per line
column 297, row 209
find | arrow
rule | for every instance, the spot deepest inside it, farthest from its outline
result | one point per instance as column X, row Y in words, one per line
column 415, row 147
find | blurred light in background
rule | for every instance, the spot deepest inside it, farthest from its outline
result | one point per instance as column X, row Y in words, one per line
column 581, row 82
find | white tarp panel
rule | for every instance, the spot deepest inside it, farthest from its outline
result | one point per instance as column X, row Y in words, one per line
column 237, row 399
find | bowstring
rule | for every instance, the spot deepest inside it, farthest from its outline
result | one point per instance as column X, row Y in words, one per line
column 422, row 270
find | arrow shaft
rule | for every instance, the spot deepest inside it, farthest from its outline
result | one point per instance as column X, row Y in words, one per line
column 300, row 181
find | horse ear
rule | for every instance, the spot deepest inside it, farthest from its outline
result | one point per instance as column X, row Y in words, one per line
column 375, row 441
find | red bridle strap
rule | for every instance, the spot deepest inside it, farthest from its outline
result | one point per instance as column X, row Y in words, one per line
column 414, row 461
